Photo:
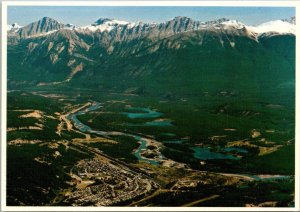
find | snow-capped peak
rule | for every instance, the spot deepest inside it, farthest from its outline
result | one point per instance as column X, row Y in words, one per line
column 291, row 20
column 110, row 22
column 106, row 24
column 13, row 27
column 69, row 26
column 277, row 26
column 232, row 24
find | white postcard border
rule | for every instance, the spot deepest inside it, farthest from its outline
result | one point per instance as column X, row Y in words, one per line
column 5, row 4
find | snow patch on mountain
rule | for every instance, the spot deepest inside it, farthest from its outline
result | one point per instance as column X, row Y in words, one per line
column 42, row 34
column 13, row 27
column 69, row 26
column 179, row 24
column 278, row 26
column 107, row 25
column 232, row 24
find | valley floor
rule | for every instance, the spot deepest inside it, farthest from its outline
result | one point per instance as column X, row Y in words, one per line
column 118, row 150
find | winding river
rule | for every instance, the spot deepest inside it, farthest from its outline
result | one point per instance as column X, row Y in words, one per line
column 200, row 153
column 141, row 140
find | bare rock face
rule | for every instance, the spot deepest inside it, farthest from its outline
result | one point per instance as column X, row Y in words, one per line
column 40, row 27
column 52, row 47
column 43, row 25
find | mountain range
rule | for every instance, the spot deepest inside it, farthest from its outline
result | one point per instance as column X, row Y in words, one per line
column 120, row 55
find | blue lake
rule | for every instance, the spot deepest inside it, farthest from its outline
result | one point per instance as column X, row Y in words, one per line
column 235, row 149
column 204, row 153
column 153, row 124
column 145, row 113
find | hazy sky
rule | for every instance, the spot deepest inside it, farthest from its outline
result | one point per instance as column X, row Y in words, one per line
column 81, row 16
